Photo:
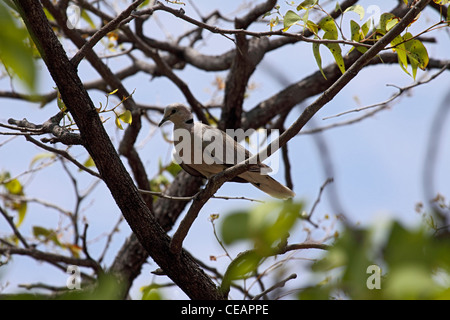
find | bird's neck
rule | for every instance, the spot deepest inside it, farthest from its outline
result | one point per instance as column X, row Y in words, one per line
column 188, row 124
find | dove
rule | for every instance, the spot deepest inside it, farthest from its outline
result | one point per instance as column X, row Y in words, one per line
column 202, row 150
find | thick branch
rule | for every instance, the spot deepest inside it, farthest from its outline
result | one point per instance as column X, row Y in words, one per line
column 51, row 126
column 181, row 269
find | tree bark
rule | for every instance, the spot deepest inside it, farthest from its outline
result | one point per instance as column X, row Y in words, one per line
column 180, row 268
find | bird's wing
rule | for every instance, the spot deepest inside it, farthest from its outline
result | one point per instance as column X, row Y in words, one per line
column 219, row 148
column 189, row 169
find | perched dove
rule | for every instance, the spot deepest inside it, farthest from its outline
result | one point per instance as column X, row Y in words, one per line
column 204, row 151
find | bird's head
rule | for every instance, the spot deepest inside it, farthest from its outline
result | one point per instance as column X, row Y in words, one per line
column 177, row 113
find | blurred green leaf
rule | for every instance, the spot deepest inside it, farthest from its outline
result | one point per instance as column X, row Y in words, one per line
column 46, row 235
column 15, row 55
column 118, row 124
column 14, row 187
column 89, row 163
column 412, row 259
column 173, row 168
column 85, row 16
column 107, row 287
column 126, row 116
column 235, row 227
column 264, row 224
column 151, row 292
column 243, row 266
column 21, row 208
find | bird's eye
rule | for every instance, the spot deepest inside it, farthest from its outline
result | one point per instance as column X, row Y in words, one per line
column 173, row 111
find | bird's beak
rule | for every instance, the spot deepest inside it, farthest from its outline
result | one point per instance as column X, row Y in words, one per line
column 162, row 121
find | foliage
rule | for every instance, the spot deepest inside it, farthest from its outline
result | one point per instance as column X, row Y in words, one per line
column 388, row 261
column 410, row 50
column 106, row 287
column 349, row 261
column 266, row 226
column 16, row 54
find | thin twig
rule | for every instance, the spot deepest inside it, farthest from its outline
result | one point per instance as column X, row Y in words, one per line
column 50, row 257
column 109, row 239
column 401, row 90
column 163, row 195
column 121, row 19
column 14, row 228
column 65, row 155
column 217, row 30
column 308, row 218
column 275, row 286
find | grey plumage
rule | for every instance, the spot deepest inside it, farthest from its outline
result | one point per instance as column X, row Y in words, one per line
column 205, row 151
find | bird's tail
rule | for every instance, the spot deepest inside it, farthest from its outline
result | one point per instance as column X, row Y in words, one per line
column 268, row 185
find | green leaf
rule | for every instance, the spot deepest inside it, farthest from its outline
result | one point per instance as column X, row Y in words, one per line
column 112, row 92
column 331, row 33
column 46, row 235
column 89, row 163
column 21, row 208
column 290, row 18
column 118, row 124
column 126, row 117
column 384, row 19
column 448, row 15
column 337, row 7
column 391, row 23
column 151, row 292
column 85, row 16
column 274, row 22
column 307, row 4
column 359, row 9
column 59, row 101
column 14, row 187
column 235, row 227
column 357, row 35
column 337, row 54
column 366, row 27
column 14, row 53
column 173, row 168
column 399, row 47
column 314, row 28
column 328, row 25
column 316, row 52
column 244, row 265
column 416, row 52
column 355, row 30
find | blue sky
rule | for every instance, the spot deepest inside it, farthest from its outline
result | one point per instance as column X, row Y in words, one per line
column 378, row 162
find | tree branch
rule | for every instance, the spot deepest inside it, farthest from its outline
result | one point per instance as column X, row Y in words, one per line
column 181, row 268
column 117, row 22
